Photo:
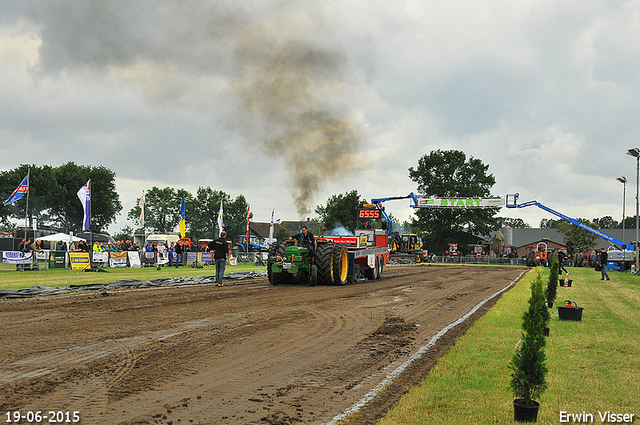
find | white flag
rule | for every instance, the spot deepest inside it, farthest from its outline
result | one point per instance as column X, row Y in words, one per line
column 271, row 227
column 141, row 205
column 84, row 194
column 220, row 214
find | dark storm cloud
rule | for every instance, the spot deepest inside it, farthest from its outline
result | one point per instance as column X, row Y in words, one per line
column 288, row 86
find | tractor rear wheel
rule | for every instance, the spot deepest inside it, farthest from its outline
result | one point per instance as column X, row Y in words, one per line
column 340, row 265
column 324, row 263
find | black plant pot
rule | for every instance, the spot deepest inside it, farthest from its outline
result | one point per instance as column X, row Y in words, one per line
column 549, row 304
column 570, row 313
column 565, row 282
column 545, row 331
column 525, row 413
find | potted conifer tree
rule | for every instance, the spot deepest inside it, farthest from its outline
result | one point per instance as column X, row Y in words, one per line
column 552, row 286
column 528, row 368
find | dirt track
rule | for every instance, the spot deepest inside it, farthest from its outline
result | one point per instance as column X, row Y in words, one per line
column 246, row 353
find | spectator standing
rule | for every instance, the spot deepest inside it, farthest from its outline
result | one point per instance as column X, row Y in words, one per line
column 170, row 252
column 561, row 259
column 220, row 249
column 179, row 252
column 36, row 246
column 603, row 264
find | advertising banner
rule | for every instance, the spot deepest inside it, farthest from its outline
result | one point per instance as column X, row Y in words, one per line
column 79, row 260
column 42, row 255
column 17, row 257
column 57, row 260
column 163, row 258
column 134, row 259
column 118, row 259
column 192, row 257
column 460, row 202
column 100, row 257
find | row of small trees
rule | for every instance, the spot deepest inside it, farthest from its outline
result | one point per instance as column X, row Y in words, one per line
column 528, row 365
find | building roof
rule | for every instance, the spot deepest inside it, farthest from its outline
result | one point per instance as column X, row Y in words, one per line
column 524, row 237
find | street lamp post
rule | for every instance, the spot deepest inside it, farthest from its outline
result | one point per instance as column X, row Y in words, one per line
column 635, row 152
column 623, row 180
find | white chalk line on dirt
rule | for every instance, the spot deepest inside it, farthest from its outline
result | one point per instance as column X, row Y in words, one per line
column 393, row 375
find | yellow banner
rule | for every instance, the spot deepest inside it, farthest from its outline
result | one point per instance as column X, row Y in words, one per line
column 79, row 260
column 122, row 254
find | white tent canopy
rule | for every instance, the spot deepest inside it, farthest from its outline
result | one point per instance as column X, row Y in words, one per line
column 61, row 237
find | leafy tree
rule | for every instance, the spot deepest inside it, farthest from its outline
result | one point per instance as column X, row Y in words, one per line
column 126, row 233
column 204, row 210
column 606, row 222
column 450, row 174
column 235, row 217
column 162, row 212
column 162, row 209
column 549, row 223
column 516, row 223
column 282, row 234
column 576, row 238
column 341, row 209
column 629, row 223
column 53, row 196
column 105, row 201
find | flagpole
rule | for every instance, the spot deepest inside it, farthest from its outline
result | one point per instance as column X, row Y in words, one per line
column 90, row 231
column 26, row 218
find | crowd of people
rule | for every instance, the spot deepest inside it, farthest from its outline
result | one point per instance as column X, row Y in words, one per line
column 27, row 245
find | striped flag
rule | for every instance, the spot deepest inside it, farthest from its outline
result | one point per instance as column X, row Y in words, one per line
column 84, row 194
column 248, row 208
column 19, row 192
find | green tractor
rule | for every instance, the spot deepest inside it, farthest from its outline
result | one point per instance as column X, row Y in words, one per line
column 289, row 263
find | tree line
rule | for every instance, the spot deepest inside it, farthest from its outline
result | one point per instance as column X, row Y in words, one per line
column 53, row 202
column 53, row 199
column 441, row 173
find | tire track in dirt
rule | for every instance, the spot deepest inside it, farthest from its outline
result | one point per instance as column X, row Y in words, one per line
column 246, row 353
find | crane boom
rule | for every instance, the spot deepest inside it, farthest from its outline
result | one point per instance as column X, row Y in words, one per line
column 512, row 202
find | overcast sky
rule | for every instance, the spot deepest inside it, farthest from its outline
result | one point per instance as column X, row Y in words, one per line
column 289, row 102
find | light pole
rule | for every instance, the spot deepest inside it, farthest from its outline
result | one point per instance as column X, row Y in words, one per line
column 635, row 152
column 623, row 180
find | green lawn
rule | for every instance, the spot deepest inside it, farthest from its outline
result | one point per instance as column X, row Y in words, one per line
column 593, row 365
column 63, row 277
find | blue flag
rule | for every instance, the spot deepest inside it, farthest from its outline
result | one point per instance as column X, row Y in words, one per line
column 19, row 192
column 182, row 219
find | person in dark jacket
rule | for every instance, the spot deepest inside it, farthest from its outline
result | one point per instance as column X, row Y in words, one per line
column 220, row 249
column 561, row 258
column 179, row 252
column 603, row 264
column 306, row 239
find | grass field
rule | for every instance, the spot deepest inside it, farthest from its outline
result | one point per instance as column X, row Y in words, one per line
column 593, row 365
column 62, row 277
